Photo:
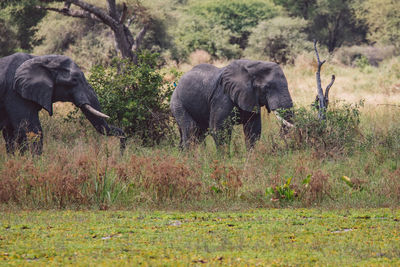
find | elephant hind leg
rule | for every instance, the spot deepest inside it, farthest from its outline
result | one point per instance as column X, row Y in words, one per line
column 189, row 130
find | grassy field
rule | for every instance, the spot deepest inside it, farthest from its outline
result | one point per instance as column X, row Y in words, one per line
column 80, row 169
column 256, row 237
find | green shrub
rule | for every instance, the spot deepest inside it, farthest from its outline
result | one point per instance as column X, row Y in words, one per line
column 280, row 39
column 338, row 133
column 135, row 97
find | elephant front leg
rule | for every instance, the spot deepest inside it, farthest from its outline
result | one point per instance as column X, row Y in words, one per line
column 30, row 137
column 23, row 119
column 27, row 134
column 252, row 129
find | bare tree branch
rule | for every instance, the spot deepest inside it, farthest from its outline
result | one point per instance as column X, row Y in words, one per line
column 124, row 14
column 124, row 40
column 321, row 99
column 98, row 12
column 112, row 10
column 327, row 90
column 139, row 37
column 70, row 13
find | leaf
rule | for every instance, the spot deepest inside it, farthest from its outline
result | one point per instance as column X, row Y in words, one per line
column 347, row 181
column 216, row 189
column 307, row 180
column 269, row 191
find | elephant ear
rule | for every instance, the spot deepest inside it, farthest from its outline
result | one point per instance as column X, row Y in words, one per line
column 33, row 81
column 237, row 83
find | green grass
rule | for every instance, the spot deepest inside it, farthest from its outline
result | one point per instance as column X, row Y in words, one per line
column 262, row 236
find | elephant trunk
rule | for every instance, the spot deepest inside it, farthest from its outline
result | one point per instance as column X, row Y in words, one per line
column 92, row 111
column 97, row 119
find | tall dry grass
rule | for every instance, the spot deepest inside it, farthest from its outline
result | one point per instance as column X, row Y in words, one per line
column 81, row 169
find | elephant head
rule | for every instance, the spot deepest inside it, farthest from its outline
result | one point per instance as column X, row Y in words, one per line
column 253, row 84
column 48, row 79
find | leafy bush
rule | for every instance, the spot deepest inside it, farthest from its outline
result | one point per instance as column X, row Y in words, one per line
column 337, row 133
column 196, row 33
column 135, row 97
column 280, row 39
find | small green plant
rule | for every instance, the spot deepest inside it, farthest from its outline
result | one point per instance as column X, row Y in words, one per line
column 281, row 192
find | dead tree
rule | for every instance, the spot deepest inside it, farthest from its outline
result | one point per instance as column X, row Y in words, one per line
column 117, row 21
column 322, row 99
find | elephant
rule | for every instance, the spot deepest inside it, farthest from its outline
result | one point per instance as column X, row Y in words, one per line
column 29, row 83
column 211, row 99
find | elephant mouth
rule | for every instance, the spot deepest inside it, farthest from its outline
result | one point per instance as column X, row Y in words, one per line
column 95, row 111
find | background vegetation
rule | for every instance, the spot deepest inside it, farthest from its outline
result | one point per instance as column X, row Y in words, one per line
column 351, row 161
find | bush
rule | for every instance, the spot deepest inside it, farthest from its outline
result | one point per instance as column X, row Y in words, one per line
column 280, row 39
column 135, row 97
column 372, row 55
column 336, row 134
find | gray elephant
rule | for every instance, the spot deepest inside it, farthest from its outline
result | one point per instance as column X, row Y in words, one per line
column 212, row 99
column 29, row 83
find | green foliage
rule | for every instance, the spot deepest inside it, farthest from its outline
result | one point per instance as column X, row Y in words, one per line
column 337, row 133
column 88, row 43
column 195, row 33
column 8, row 40
column 280, row 39
column 382, row 18
column 135, row 97
column 17, row 23
column 220, row 27
column 298, row 8
column 281, row 192
column 332, row 22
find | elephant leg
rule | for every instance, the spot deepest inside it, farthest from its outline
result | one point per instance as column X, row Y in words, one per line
column 252, row 129
column 189, row 130
column 29, row 136
column 9, row 138
column 221, row 129
column 190, row 134
column 27, row 131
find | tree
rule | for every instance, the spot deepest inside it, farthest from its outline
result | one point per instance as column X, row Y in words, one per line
column 8, row 40
column 220, row 27
column 333, row 22
column 382, row 18
column 280, row 39
column 116, row 18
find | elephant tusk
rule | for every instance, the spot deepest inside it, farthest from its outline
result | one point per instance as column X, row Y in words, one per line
column 285, row 122
column 95, row 112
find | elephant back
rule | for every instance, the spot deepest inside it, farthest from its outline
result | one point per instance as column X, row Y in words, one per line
column 8, row 66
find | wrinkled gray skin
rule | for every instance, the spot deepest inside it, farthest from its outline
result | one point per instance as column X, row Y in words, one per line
column 29, row 83
column 205, row 98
